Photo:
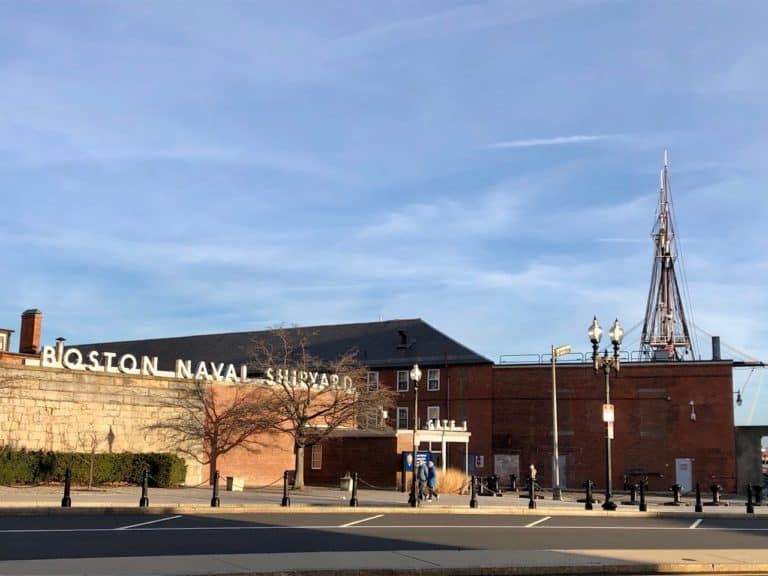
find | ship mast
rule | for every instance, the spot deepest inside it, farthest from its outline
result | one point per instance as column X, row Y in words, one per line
column 665, row 330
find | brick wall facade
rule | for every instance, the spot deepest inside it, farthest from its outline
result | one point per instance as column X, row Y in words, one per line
column 653, row 426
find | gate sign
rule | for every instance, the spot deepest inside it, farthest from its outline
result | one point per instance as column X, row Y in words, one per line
column 608, row 413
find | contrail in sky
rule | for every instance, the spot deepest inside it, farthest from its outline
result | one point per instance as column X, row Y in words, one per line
column 558, row 140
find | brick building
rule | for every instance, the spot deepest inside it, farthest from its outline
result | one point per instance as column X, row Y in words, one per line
column 471, row 413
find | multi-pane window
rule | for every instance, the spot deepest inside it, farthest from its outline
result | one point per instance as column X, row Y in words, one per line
column 402, row 380
column 433, row 379
column 402, row 419
column 373, row 380
column 317, row 457
column 433, row 415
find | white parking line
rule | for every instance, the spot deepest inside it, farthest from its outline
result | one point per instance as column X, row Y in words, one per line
column 147, row 523
column 696, row 524
column 361, row 521
column 539, row 521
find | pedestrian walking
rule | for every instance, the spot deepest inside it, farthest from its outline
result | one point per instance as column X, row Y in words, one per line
column 421, row 478
column 432, row 482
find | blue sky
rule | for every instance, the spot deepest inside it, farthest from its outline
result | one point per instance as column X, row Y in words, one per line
column 173, row 168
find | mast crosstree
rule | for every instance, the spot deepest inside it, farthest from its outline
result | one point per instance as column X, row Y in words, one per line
column 665, row 330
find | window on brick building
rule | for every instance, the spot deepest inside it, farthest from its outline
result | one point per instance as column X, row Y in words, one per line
column 433, row 415
column 402, row 419
column 317, row 457
column 433, row 379
column 402, row 380
column 373, row 380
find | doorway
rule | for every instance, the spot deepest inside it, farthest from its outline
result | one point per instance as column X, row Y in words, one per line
column 684, row 473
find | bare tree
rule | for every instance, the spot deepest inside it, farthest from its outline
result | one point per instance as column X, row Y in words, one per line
column 210, row 419
column 312, row 397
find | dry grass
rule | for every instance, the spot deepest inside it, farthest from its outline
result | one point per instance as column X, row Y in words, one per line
column 453, row 481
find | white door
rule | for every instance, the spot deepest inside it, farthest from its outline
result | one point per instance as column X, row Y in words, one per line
column 684, row 473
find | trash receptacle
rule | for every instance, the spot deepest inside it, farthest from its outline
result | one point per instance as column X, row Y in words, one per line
column 345, row 483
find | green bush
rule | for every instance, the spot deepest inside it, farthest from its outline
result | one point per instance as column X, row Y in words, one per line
column 37, row 467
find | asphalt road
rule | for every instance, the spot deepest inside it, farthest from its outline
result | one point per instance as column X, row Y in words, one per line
column 72, row 536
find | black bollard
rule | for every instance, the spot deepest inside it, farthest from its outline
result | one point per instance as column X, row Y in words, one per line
column 66, row 502
column 531, row 493
column 144, row 500
column 750, row 507
column 215, row 502
column 473, row 497
column 643, row 507
column 633, row 494
column 286, row 501
column 513, row 482
column 353, row 500
column 588, row 499
column 699, row 507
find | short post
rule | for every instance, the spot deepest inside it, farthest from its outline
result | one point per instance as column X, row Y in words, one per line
column 676, row 488
column 215, row 502
column 643, row 507
column 144, row 500
column 473, row 497
column 286, row 501
column 532, row 488
column 66, row 502
column 715, row 494
column 750, row 507
column 353, row 500
column 699, row 507
column 513, row 482
column 588, row 498
column 633, row 494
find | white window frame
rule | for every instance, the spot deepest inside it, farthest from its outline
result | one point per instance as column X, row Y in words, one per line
column 400, row 411
column 373, row 381
column 433, row 379
column 433, row 413
column 317, row 457
column 407, row 381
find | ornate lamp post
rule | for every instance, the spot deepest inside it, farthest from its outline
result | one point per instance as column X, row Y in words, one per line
column 607, row 363
column 556, row 493
column 415, row 375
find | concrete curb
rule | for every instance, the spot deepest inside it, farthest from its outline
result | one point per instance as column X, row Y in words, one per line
column 32, row 509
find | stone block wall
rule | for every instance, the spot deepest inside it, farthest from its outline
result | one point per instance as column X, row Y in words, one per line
column 65, row 410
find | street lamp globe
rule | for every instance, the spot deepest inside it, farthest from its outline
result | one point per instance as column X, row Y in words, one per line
column 415, row 373
column 616, row 333
column 594, row 332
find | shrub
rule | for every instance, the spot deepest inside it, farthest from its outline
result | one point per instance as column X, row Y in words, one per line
column 23, row 467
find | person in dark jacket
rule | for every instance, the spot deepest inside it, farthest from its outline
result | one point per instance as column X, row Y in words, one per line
column 432, row 482
column 421, row 479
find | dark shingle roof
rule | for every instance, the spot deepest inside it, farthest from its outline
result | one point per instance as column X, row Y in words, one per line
column 391, row 343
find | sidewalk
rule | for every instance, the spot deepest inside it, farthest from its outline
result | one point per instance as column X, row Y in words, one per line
column 125, row 499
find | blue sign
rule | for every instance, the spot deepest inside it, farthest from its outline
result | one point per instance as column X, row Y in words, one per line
column 422, row 457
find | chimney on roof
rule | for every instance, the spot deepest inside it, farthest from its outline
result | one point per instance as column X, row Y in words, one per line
column 31, row 330
column 716, row 348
